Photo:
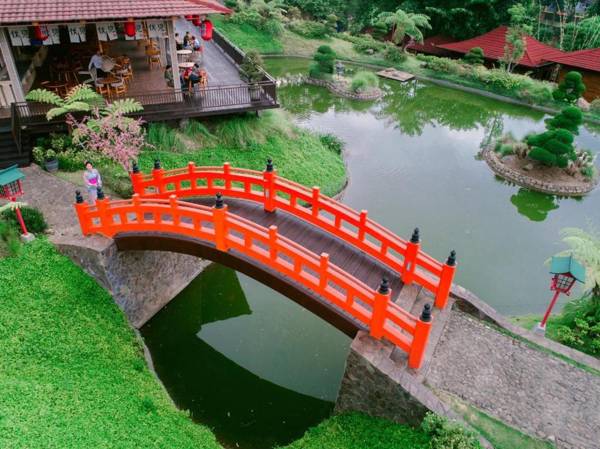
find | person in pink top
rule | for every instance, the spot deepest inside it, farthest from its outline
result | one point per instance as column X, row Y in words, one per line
column 92, row 181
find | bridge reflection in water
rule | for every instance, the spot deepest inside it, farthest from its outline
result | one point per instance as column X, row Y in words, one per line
column 207, row 343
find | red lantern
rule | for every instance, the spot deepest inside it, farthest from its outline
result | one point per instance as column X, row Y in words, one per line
column 196, row 21
column 206, row 30
column 39, row 33
column 130, row 28
column 189, row 17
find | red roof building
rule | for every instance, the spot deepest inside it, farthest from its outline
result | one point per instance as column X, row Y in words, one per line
column 430, row 46
column 586, row 62
column 536, row 54
column 51, row 11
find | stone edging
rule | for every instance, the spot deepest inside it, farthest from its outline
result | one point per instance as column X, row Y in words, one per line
column 373, row 94
column 469, row 303
column 512, row 175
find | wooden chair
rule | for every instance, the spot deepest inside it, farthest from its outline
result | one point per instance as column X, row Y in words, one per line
column 154, row 60
column 102, row 89
column 119, row 88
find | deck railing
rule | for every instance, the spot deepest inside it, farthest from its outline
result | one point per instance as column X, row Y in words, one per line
column 266, row 247
column 274, row 192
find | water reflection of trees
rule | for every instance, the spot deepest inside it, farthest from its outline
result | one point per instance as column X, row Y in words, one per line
column 534, row 205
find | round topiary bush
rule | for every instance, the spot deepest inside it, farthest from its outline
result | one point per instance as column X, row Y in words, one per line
column 474, row 56
column 570, row 89
column 364, row 81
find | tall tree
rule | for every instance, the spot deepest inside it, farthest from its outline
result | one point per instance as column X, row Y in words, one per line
column 519, row 28
column 403, row 24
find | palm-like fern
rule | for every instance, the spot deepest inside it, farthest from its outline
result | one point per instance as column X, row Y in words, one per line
column 404, row 24
column 585, row 247
column 81, row 98
column 122, row 107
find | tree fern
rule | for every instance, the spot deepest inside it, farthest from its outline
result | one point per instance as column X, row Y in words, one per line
column 125, row 106
column 44, row 96
column 56, row 112
column 83, row 93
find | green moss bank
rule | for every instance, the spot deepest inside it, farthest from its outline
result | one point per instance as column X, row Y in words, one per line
column 72, row 373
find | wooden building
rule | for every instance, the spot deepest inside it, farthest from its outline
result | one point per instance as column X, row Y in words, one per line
column 49, row 43
column 586, row 62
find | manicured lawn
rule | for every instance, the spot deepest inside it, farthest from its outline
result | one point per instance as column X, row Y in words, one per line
column 357, row 431
column 72, row 374
column 247, row 142
column 247, row 37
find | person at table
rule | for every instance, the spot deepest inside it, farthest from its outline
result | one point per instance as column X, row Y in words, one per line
column 196, row 44
column 169, row 76
column 96, row 63
column 178, row 41
column 187, row 41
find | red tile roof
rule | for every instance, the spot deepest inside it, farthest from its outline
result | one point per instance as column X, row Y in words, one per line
column 492, row 43
column 431, row 45
column 44, row 11
column 584, row 59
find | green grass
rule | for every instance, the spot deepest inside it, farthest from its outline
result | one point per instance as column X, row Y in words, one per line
column 357, row 431
column 248, row 141
column 247, row 37
column 500, row 435
column 529, row 322
column 72, row 374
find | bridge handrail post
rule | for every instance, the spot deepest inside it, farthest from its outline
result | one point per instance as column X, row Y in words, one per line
column 316, row 192
column 273, row 243
column 410, row 257
column 191, row 172
column 103, row 216
column 82, row 209
column 220, row 226
column 136, row 179
column 380, row 306
column 446, row 278
column 226, row 175
column 420, row 338
column 363, row 225
column 324, row 266
column 269, row 178
column 157, row 176
column 174, row 213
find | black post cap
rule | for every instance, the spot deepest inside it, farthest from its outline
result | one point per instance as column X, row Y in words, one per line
column 135, row 168
column 78, row 197
column 100, row 193
column 269, row 165
column 451, row 259
column 426, row 314
column 415, row 236
column 219, row 201
column 384, row 287
column 157, row 164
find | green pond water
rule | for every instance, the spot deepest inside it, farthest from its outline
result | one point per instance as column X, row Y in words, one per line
column 258, row 368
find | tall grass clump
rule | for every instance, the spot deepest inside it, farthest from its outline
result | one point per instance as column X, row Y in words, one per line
column 364, row 81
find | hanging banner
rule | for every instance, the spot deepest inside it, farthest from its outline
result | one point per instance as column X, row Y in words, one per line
column 53, row 33
column 139, row 32
column 77, row 33
column 19, row 36
column 157, row 29
column 107, row 31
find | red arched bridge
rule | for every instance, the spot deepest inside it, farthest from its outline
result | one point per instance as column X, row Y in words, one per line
column 315, row 250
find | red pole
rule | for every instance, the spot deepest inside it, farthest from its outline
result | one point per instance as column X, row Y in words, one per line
column 20, row 218
column 547, row 315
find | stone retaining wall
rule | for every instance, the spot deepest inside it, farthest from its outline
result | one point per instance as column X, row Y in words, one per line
column 512, row 175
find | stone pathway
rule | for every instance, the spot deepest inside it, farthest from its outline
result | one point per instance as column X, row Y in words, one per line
column 526, row 388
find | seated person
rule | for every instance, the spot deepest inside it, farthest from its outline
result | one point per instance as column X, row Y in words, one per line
column 186, row 41
column 178, row 41
column 196, row 44
column 96, row 62
column 169, row 76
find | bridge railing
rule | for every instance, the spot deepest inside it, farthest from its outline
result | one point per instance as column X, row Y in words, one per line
column 275, row 192
column 371, row 307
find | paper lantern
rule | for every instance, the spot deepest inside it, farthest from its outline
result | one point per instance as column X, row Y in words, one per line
column 189, row 17
column 39, row 34
column 130, row 28
column 206, row 30
column 196, row 21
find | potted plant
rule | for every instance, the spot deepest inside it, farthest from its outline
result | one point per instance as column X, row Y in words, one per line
column 47, row 158
column 252, row 73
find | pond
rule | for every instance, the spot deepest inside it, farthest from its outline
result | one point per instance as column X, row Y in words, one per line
column 258, row 368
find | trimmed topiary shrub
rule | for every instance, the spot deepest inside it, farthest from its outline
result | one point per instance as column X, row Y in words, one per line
column 570, row 88
column 324, row 62
column 394, row 54
column 33, row 218
column 552, row 148
column 569, row 118
column 474, row 56
column 363, row 81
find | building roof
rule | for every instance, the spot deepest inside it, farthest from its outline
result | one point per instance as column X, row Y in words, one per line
column 45, row 11
column 584, row 59
column 430, row 45
column 568, row 265
column 10, row 174
column 493, row 42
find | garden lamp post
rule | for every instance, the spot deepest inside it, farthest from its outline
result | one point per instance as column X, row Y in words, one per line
column 339, row 69
column 10, row 189
column 566, row 271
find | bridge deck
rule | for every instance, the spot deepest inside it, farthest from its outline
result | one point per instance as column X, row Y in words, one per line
column 350, row 259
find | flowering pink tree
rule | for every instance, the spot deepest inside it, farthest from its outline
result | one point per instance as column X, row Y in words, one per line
column 115, row 136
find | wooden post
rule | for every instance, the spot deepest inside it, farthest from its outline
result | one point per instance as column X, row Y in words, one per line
column 81, row 207
column 157, row 175
column 135, row 201
column 174, row 213
column 446, row 278
column 136, row 179
column 362, row 226
column 420, row 338
column 11, row 68
column 410, row 258
column 382, row 299
column 172, row 49
column 316, row 191
column 226, row 175
column 273, row 243
column 323, row 271
column 105, row 226
column 220, row 223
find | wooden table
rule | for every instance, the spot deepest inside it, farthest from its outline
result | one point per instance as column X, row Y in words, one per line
column 186, row 65
column 107, row 81
column 58, row 88
column 183, row 55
